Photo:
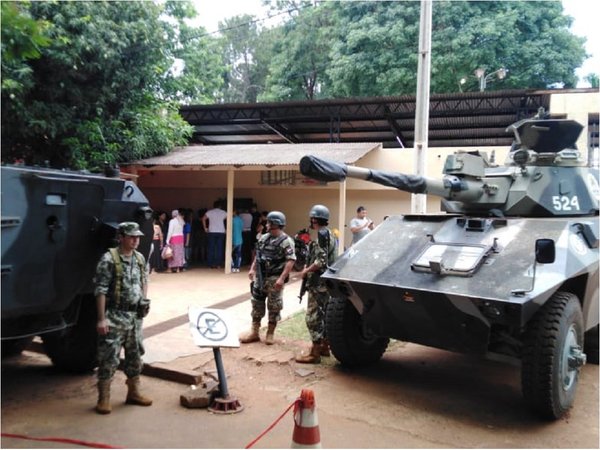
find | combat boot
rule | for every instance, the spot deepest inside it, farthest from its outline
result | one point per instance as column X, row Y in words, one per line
column 251, row 335
column 134, row 397
column 270, row 333
column 325, row 348
column 103, row 406
column 314, row 357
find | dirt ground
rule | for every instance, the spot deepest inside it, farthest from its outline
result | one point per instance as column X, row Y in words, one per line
column 415, row 397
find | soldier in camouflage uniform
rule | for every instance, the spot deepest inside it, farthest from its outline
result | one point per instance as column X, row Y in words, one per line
column 273, row 262
column 321, row 253
column 121, row 286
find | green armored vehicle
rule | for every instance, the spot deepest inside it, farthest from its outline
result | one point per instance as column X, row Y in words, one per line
column 55, row 226
column 510, row 269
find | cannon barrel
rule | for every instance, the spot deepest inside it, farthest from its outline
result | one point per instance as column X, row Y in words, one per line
column 449, row 187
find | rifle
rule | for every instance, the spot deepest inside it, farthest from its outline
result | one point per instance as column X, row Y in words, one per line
column 303, row 288
column 256, row 287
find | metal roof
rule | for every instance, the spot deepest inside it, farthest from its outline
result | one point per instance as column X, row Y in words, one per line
column 460, row 119
column 258, row 155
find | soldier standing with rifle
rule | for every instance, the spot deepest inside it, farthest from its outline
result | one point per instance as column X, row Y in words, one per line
column 269, row 272
column 321, row 253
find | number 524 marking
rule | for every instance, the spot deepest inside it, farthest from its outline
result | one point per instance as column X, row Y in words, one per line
column 564, row 203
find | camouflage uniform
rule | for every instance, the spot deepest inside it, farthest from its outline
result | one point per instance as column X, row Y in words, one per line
column 273, row 252
column 321, row 251
column 125, row 328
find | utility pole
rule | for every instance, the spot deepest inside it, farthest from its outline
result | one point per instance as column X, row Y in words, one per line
column 419, row 201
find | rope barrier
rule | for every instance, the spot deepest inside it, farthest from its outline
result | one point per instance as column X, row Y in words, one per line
column 61, row 440
column 270, row 427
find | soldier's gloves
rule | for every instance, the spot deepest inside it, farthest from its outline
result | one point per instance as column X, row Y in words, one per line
column 143, row 308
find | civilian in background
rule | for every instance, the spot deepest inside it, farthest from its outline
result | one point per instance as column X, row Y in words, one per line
column 247, row 241
column 199, row 238
column 175, row 240
column 156, row 261
column 360, row 225
column 187, row 234
column 213, row 222
column 237, row 226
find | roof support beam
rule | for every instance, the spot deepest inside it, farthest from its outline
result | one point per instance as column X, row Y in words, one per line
column 395, row 127
column 280, row 131
column 229, row 227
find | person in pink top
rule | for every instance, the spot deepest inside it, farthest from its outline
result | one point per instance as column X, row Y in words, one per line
column 175, row 240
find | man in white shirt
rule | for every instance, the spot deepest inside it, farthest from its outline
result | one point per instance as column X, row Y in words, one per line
column 360, row 225
column 213, row 222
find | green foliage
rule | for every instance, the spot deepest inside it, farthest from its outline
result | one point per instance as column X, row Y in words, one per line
column 298, row 67
column 366, row 48
column 92, row 81
column 93, row 93
column 240, row 45
column 197, row 76
column 593, row 79
column 22, row 36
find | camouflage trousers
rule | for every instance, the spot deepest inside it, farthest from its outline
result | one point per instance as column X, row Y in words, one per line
column 272, row 299
column 318, row 297
column 124, row 331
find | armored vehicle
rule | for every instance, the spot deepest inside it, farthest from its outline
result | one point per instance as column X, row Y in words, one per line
column 55, row 226
column 509, row 270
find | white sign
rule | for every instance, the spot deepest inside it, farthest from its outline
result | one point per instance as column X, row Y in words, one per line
column 212, row 328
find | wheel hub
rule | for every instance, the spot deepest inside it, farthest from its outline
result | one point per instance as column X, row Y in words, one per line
column 572, row 359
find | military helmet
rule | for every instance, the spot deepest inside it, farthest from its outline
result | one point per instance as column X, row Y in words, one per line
column 319, row 212
column 276, row 218
column 129, row 229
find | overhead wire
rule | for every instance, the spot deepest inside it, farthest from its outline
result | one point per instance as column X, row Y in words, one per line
column 260, row 19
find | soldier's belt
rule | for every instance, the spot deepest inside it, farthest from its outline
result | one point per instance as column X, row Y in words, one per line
column 129, row 308
column 272, row 274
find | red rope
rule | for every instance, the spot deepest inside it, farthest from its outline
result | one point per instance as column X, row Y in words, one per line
column 270, row 427
column 63, row 440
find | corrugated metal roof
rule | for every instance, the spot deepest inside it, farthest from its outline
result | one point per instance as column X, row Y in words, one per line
column 258, row 155
column 389, row 120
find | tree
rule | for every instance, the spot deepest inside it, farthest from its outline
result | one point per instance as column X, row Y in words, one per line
column 240, row 39
column 93, row 92
column 531, row 40
column 197, row 75
column 365, row 48
column 298, row 68
column 375, row 52
column 593, row 79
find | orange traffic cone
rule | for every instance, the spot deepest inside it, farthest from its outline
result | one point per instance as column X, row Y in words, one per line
column 306, row 424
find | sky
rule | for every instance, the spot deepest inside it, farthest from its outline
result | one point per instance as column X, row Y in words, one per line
column 585, row 13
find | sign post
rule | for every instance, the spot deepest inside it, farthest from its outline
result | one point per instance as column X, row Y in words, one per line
column 209, row 328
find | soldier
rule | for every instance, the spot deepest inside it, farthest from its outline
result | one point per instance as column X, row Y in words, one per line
column 321, row 253
column 269, row 272
column 121, row 286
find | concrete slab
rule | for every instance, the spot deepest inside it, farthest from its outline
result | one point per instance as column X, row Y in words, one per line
column 166, row 328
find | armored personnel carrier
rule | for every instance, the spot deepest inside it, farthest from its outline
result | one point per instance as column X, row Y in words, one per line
column 508, row 270
column 55, row 226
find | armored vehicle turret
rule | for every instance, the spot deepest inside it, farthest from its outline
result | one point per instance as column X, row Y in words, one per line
column 55, row 226
column 509, row 270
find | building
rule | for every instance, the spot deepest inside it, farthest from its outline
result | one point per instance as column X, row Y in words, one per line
column 251, row 152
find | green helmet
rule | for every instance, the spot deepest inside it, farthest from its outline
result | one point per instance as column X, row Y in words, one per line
column 319, row 212
column 276, row 218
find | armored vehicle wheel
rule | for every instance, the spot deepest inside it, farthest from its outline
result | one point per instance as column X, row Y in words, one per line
column 15, row 346
column 590, row 345
column 552, row 356
column 351, row 342
column 74, row 349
